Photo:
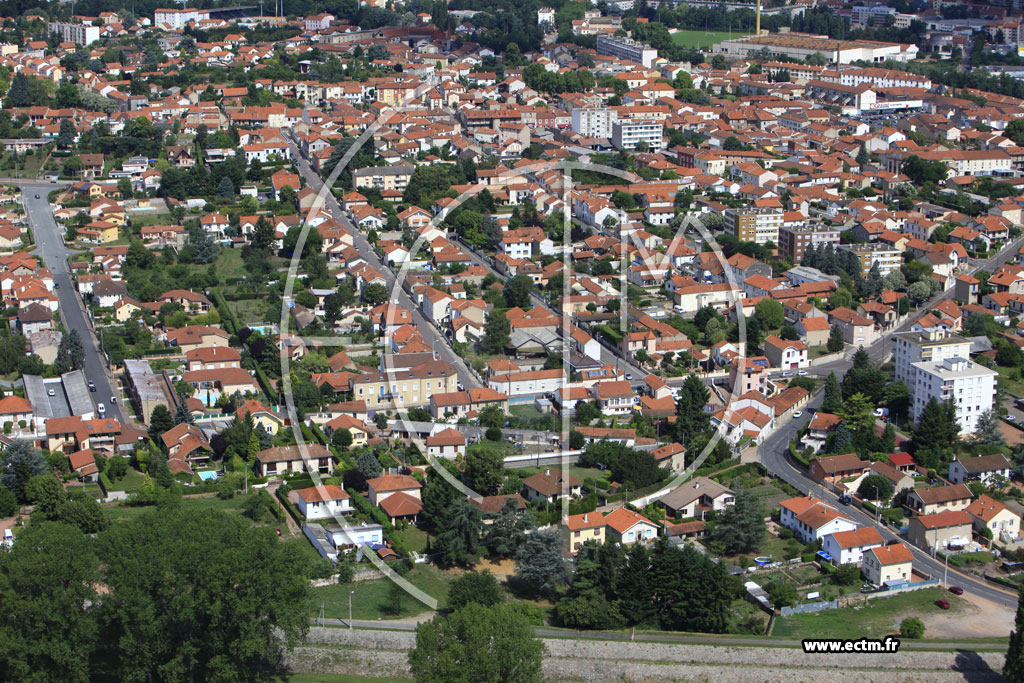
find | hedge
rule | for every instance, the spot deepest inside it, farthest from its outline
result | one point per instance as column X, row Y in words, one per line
column 796, row 455
column 372, row 511
column 287, row 504
column 226, row 314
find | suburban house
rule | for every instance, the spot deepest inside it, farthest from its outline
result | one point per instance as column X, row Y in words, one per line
column 447, row 443
column 695, row 498
column 83, row 463
column 586, row 527
column 983, row 468
column 888, row 564
column 671, row 455
column 939, row 499
column 286, row 459
column 989, row 513
column 784, row 353
column 627, row 527
column 550, row 485
column 812, row 519
column 383, row 487
column 834, row 468
column 940, row 530
column 848, row 547
column 321, row 502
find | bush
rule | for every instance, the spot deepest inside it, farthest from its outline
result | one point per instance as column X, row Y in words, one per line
column 912, row 627
column 846, row 575
column 782, row 594
column 493, row 434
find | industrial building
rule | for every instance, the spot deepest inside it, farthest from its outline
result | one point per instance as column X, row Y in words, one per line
column 803, row 45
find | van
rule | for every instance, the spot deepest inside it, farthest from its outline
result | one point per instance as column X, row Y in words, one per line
column 101, row 409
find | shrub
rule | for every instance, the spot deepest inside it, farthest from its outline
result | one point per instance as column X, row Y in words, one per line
column 912, row 627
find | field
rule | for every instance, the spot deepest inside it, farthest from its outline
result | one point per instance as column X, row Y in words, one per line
column 881, row 616
column 232, row 505
column 371, row 596
column 703, row 40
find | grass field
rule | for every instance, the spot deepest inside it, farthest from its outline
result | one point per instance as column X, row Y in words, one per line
column 248, row 310
column 881, row 616
column 371, row 596
column 129, row 482
column 340, row 678
column 233, row 505
column 702, row 40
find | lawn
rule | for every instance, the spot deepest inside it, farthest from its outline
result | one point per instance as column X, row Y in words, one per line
column 702, row 39
column 130, row 482
column 770, row 496
column 116, row 512
column 1013, row 386
column 413, row 538
column 248, row 310
column 880, row 617
column 371, row 596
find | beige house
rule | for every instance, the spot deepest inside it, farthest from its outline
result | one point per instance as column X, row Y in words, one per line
column 888, row 564
column 586, row 527
column 989, row 513
column 550, row 485
column 288, row 459
column 405, row 388
column 943, row 529
column 695, row 498
column 381, row 488
column 939, row 499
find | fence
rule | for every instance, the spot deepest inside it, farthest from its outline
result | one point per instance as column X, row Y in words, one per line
column 810, row 607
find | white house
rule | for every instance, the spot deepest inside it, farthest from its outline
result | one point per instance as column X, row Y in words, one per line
column 983, row 468
column 322, row 502
column 848, row 547
column 447, row 443
column 812, row 519
column 364, row 534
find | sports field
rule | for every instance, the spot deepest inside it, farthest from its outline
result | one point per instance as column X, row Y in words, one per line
column 702, row 40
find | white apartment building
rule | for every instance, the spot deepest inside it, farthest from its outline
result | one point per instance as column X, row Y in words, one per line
column 176, row 18
column 971, row 388
column 626, row 48
column 888, row 258
column 936, row 344
column 629, row 134
column 80, row 34
column 594, row 122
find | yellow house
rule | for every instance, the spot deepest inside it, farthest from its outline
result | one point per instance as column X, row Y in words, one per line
column 357, row 428
column 988, row 513
column 261, row 416
column 586, row 527
column 99, row 232
column 888, row 564
column 125, row 308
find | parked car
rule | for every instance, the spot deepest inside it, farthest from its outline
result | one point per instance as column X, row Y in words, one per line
column 629, row 376
column 802, row 373
column 92, row 385
column 797, row 414
column 51, row 392
column 113, row 399
column 956, row 590
column 942, row 604
column 1011, row 418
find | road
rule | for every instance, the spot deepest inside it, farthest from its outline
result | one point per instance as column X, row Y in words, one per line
column 430, row 333
column 50, row 248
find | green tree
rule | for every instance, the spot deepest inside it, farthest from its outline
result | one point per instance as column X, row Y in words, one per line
column 833, row 400
column 497, row 333
column 835, row 339
column 912, row 627
column 540, row 563
column 368, row 465
column 485, row 469
column 987, row 430
column 21, row 462
column 481, row 588
column 782, row 593
column 46, row 495
column 846, row 575
column 770, row 313
column 517, row 291
column 46, row 579
column 477, row 644
column 458, row 536
column 66, row 136
column 862, row 155
column 875, row 487
column 1013, row 668
column 375, row 294
column 160, row 421
column 218, row 596
column 741, row 527
column 507, row 533
column 70, row 353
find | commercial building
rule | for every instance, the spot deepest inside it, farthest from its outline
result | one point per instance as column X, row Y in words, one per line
column 629, row 134
column 968, row 385
column 794, row 240
column 887, row 257
column 80, row 34
column 594, row 122
column 927, row 345
column 754, row 225
column 626, row 48
column 974, row 162
column 803, row 45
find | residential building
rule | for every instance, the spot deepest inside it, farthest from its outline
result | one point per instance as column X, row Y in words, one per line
column 794, row 240
column 291, row 459
column 939, row 499
column 627, row 527
column 550, row 485
column 404, row 388
column 969, row 386
column 588, row 526
column 784, row 353
column 80, row 34
column 594, row 122
column 447, row 443
column 754, row 224
column 834, row 468
column 941, row 530
column 987, row 469
column 696, row 498
column 631, row 134
column 848, row 547
column 933, row 344
column 322, row 502
column 812, row 519
column 887, row 258
column 626, row 48
column 888, row 565
column 1002, row 522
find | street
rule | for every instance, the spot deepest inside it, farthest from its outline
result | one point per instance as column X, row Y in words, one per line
column 430, row 333
column 50, row 248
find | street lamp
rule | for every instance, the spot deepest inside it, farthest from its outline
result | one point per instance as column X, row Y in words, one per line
column 350, row 594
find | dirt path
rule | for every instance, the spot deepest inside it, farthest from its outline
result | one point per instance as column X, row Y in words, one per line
column 978, row 618
column 293, row 528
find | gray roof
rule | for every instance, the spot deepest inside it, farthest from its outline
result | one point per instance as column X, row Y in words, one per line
column 397, row 169
column 35, row 392
column 149, row 386
column 690, row 491
column 77, row 392
column 540, row 336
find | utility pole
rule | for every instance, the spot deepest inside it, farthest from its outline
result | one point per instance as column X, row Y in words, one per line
column 350, row 594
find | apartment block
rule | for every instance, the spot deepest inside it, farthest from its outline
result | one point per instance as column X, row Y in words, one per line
column 80, row 34
column 629, row 134
column 754, row 225
column 969, row 386
column 794, row 240
column 887, row 257
column 626, row 48
column 594, row 122
column 405, row 388
column 927, row 345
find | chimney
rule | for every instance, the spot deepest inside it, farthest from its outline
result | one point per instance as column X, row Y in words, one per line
column 696, row 485
column 584, row 517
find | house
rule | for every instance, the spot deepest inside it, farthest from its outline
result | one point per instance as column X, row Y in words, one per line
column 550, row 486
column 848, row 547
column 83, row 463
column 321, row 502
column 381, row 488
column 356, row 536
column 812, row 519
column 888, row 564
column 786, row 354
column 16, row 412
column 939, row 499
column 856, row 329
column 588, row 526
column 186, row 444
column 447, row 443
column 940, row 530
column 834, row 468
column 359, row 430
column 614, row 397
column 261, row 416
column 627, row 527
column 1000, row 520
column 491, row 506
column 671, row 455
column 696, row 498
column 287, row 459
column 988, row 469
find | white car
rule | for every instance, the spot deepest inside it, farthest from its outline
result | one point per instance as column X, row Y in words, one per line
column 113, row 399
column 51, row 392
column 797, row 414
column 802, row 373
column 1011, row 418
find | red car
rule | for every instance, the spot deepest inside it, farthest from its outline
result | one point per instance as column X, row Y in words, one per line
column 943, row 604
column 956, row 590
